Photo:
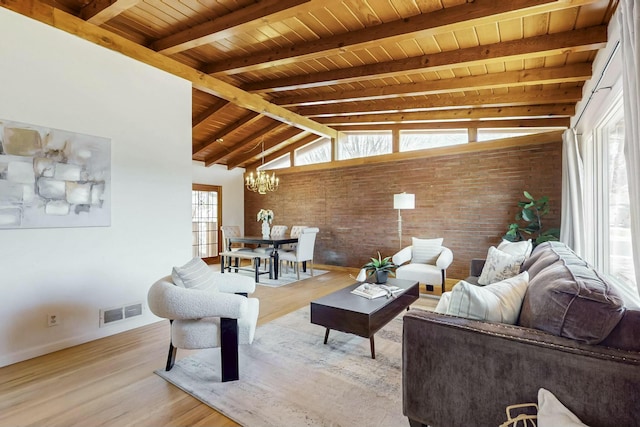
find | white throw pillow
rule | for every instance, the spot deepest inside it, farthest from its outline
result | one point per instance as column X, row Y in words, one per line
column 498, row 302
column 443, row 304
column 499, row 266
column 425, row 251
column 522, row 248
column 195, row 274
column 552, row 413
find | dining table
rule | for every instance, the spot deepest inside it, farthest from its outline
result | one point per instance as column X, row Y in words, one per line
column 276, row 243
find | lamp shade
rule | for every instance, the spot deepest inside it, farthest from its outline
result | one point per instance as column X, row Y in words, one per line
column 404, row 201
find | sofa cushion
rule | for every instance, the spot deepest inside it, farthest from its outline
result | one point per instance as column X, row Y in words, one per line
column 195, row 274
column 425, row 251
column 498, row 302
column 568, row 297
column 499, row 266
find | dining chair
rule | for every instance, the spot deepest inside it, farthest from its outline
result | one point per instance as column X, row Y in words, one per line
column 304, row 250
column 277, row 232
column 294, row 233
column 232, row 231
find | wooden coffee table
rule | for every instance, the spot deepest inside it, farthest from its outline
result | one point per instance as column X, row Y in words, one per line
column 353, row 314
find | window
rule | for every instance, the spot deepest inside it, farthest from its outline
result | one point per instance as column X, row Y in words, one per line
column 281, row 162
column 620, row 260
column 364, row 144
column 490, row 134
column 205, row 214
column 411, row 140
column 316, row 152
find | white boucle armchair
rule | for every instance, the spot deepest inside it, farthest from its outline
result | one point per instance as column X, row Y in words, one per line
column 215, row 313
column 426, row 261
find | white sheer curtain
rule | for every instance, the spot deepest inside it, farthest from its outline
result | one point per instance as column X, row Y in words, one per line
column 629, row 18
column 572, row 221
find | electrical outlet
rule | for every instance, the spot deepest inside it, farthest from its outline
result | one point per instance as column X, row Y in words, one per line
column 53, row 319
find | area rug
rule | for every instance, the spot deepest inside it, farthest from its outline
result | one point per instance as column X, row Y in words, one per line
column 288, row 377
column 284, row 278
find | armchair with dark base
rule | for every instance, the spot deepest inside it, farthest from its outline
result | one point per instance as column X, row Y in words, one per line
column 206, row 310
column 426, row 261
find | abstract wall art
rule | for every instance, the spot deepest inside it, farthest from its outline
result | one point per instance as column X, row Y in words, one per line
column 53, row 178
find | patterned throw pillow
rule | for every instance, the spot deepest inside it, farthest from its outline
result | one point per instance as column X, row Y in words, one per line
column 195, row 274
column 499, row 266
column 426, row 251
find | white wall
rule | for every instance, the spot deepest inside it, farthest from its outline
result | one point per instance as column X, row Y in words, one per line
column 232, row 183
column 53, row 79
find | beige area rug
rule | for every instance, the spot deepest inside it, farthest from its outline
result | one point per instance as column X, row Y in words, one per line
column 288, row 377
column 284, row 278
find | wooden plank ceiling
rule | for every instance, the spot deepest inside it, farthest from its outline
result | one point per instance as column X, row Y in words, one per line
column 283, row 73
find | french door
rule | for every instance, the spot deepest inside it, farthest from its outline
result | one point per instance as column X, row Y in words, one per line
column 206, row 215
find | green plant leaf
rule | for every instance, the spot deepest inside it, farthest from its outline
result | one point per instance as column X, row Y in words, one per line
column 543, row 200
column 528, row 196
column 528, row 215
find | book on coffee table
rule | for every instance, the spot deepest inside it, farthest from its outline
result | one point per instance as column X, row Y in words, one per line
column 372, row 291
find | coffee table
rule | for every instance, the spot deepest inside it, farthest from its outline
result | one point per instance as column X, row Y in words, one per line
column 353, row 314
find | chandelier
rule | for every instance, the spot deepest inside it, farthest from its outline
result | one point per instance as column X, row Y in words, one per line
column 262, row 182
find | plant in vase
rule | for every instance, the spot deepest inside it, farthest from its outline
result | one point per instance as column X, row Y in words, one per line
column 380, row 267
column 266, row 216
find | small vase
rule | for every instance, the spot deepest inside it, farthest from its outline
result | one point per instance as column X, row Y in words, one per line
column 381, row 277
column 266, row 230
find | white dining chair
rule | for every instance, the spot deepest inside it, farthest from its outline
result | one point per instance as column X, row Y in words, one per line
column 304, row 249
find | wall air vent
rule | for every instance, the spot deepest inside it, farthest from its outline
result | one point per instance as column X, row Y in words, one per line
column 119, row 314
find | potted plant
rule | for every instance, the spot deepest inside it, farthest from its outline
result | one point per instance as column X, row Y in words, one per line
column 531, row 211
column 381, row 267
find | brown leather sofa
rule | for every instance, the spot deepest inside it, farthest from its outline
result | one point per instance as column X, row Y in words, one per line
column 574, row 337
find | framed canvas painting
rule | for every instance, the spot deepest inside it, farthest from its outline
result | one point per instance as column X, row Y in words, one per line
column 53, row 178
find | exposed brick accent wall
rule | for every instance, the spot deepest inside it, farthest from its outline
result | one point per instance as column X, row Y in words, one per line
column 468, row 199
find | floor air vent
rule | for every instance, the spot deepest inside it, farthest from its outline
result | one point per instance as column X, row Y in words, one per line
column 118, row 314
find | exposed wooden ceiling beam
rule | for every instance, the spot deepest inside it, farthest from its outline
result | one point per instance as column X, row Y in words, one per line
column 247, row 119
column 215, row 108
column 536, row 76
column 57, row 18
column 551, row 122
column 549, row 96
column 566, row 110
column 282, row 137
column 553, row 44
column 449, row 19
column 242, row 20
column 98, row 12
column 239, row 146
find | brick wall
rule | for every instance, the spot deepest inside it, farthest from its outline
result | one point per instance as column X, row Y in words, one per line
column 468, row 199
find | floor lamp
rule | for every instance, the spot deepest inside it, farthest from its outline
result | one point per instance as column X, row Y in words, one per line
column 403, row 201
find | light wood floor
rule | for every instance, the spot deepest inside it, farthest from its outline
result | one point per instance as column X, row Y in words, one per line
column 110, row 381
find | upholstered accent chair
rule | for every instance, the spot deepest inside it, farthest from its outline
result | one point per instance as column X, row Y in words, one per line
column 425, row 261
column 206, row 310
column 304, row 250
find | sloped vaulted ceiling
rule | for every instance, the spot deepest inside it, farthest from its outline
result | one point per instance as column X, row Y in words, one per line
column 287, row 72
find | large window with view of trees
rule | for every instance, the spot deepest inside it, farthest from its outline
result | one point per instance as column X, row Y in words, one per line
column 364, row 144
column 316, row 152
column 411, row 140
